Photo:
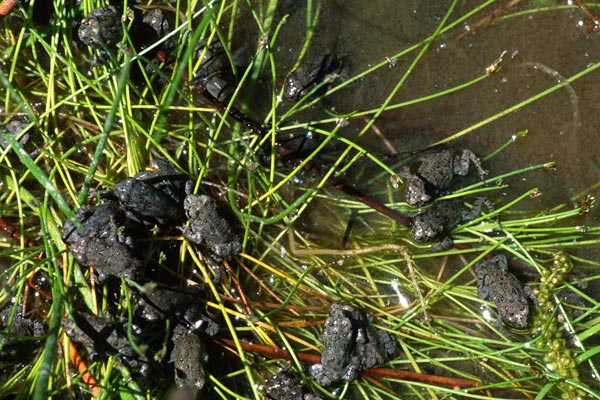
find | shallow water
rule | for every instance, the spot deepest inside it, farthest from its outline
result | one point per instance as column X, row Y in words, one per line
column 542, row 48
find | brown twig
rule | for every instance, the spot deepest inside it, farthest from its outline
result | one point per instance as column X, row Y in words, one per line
column 422, row 378
column 371, row 202
column 14, row 233
column 264, row 285
column 6, row 7
column 590, row 15
column 77, row 361
column 503, row 9
column 238, row 287
column 310, row 359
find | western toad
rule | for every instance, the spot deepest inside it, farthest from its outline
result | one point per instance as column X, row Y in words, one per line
column 207, row 226
column 164, row 302
column 350, row 343
column 189, row 348
column 155, row 195
column 437, row 221
column 16, row 334
column 435, row 172
column 496, row 284
column 102, row 30
column 105, row 334
column 106, row 241
column 189, row 357
column 286, row 385
column 215, row 72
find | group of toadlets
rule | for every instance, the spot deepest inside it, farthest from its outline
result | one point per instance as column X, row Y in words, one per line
column 111, row 239
column 432, row 177
column 114, row 237
column 161, row 196
column 350, row 342
column 111, row 235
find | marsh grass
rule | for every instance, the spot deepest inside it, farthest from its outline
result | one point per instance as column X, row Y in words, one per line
column 90, row 129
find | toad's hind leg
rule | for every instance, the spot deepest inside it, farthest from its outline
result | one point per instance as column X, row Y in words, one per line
column 444, row 244
column 478, row 205
column 464, row 161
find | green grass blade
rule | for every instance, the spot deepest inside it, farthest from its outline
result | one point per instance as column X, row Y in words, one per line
column 41, row 178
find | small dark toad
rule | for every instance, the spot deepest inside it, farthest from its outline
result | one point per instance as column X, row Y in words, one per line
column 155, row 196
column 105, row 242
column 102, row 30
column 286, row 385
column 17, row 332
column 350, row 344
column 437, row 221
column 435, row 172
column 511, row 298
column 207, row 226
column 215, row 72
column 189, row 355
column 311, row 74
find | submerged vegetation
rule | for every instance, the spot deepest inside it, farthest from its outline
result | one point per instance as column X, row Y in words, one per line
column 322, row 214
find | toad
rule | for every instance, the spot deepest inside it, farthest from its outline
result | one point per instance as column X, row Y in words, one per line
column 106, row 241
column 208, row 226
column 105, row 334
column 15, row 128
column 437, row 221
column 102, row 30
column 435, row 172
column 17, row 332
column 350, row 344
column 511, row 298
column 155, row 196
column 286, row 385
column 189, row 355
column 215, row 72
column 157, row 303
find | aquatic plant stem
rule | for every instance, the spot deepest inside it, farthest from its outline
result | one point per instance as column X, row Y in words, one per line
column 47, row 360
column 559, row 357
column 221, row 306
column 37, row 172
column 263, row 50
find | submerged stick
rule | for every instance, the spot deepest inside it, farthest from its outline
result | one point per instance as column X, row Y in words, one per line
column 13, row 233
column 310, row 359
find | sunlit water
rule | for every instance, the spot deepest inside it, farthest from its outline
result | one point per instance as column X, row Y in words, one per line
column 542, row 48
